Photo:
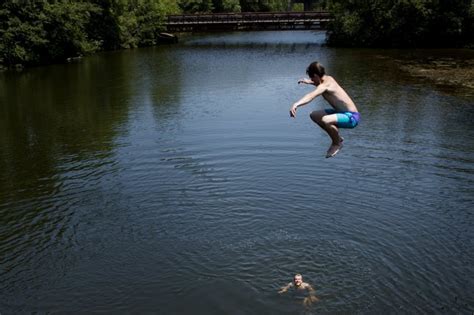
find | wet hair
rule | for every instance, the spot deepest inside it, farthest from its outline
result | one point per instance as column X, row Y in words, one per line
column 298, row 275
column 315, row 68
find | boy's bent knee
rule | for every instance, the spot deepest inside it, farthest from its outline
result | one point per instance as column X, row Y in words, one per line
column 316, row 116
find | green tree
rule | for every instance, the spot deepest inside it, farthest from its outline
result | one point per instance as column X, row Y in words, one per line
column 196, row 6
column 22, row 35
column 103, row 26
column 33, row 32
column 226, row 5
column 44, row 31
column 400, row 23
column 65, row 26
column 264, row 5
column 141, row 21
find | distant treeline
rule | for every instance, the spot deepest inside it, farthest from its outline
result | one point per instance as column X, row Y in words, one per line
column 46, row 31
column 402, row 23
column 40, row 31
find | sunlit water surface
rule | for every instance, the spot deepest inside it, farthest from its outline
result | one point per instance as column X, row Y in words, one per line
column 172, row 180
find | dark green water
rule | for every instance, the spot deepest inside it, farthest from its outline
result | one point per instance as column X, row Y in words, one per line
column 172, row 180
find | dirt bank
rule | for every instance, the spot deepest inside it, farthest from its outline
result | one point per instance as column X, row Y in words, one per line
column 443, row 71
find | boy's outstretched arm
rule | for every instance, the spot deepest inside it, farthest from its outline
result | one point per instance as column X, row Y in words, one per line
column 307, row 98
column 305, row 81
column 285, row 288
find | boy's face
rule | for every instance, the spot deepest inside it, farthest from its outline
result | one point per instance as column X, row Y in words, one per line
column 316, row 79
column 298, row 280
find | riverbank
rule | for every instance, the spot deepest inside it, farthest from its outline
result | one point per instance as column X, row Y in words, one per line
column 444, row 71
column 445, row 68
column 161, row 39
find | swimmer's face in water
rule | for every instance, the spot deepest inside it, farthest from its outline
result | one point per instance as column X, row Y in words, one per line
column 298, row 280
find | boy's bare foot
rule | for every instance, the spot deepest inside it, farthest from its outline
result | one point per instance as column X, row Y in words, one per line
column 334, row 149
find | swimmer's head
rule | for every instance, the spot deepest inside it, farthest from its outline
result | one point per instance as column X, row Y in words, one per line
column 315, row 71
column 298, row 280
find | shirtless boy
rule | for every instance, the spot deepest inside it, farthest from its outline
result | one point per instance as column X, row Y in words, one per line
column 299, row 285
column 344, row 113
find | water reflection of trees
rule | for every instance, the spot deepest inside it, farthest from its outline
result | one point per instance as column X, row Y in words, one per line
column 54, row 112
column 68, row 113
column 59, row 127
column 54, row 122
column 164, row 84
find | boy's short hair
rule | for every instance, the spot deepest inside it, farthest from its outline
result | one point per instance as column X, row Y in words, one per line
column 315, row 68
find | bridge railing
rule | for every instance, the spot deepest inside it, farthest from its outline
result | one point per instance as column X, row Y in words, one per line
column 247, row 17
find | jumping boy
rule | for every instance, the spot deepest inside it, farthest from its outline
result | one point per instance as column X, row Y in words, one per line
column 344, row 113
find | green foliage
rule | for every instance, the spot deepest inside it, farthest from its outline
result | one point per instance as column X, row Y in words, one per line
column 22, row 35
column 44, row 31
column 400, row 23
column 130, row 23
column 65, row 26
column 196, row 6
column 206, row 6
column 263, row 5
column 35, row 32
column 226, row 6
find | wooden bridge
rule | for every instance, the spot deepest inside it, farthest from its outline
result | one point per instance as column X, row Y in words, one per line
column 251, row 21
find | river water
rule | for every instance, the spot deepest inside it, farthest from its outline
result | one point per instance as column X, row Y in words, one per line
column 172, row 180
